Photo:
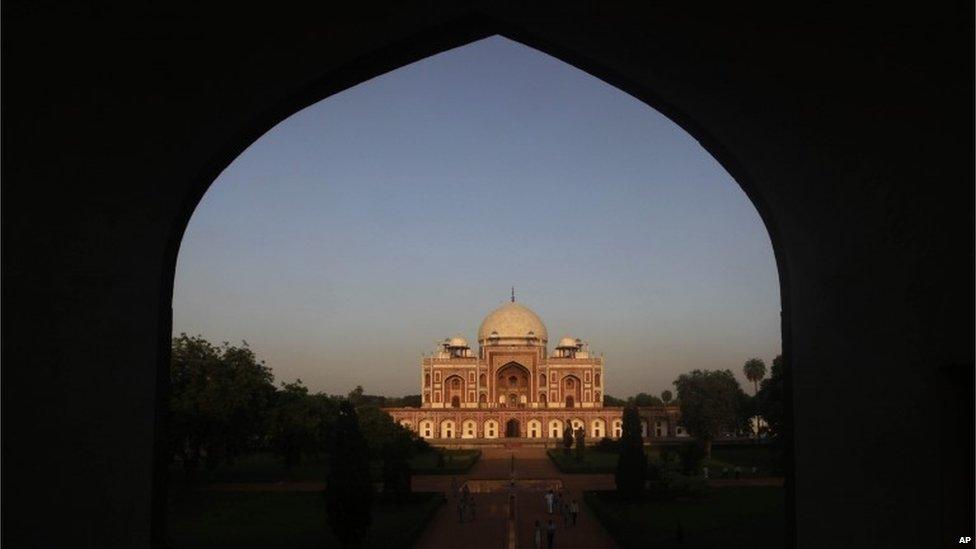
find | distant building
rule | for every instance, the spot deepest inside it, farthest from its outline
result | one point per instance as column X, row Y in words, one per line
column 511, row 387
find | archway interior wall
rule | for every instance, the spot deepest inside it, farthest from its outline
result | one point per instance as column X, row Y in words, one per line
column 855, row 234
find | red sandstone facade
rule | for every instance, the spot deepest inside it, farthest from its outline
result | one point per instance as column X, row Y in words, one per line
column 512, row 387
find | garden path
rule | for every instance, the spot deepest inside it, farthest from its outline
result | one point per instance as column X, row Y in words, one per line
column 490, row 529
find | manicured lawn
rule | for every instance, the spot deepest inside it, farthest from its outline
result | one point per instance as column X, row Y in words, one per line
column 593, row 461
column 751, row 517
column 455, row 461
column 745, row 457
column 266, row 467
column 284, row 519
column 259, row 467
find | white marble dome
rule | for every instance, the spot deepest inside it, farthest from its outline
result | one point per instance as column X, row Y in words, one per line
column 512, row 320
column 567, row 342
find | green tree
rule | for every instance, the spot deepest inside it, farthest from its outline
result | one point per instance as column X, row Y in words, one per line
column 378, row 428
column 219, row 396
column 709, row 403
column 567, row 439
column 409, row 401
column 396, row 454
column 691, row 455
column 755, row 371
column 644, row 400
column 745, row 412
column 580, row 443
column 613, row 401
column 770, row 406
column 666, row 397
column 298, row 423
column 349, row 489
column 356, row 395
column 632, row 465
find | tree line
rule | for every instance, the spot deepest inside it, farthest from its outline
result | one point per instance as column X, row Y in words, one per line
column 224, row 403
column 712, row 403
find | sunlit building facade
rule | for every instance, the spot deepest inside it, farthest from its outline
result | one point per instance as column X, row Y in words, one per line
column 511, row 386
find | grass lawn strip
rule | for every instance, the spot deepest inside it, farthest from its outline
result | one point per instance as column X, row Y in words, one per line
column 730, row 517
column 285, row 519
column 267, row 467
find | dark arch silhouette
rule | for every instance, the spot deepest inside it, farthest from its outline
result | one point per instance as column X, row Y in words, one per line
column 512, row 429
column 457, row 34
column 876, row 226
column 454, row 34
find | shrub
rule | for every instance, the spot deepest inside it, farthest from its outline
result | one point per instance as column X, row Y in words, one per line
column 632, row 465
column 580, row 444
column 691, row 455
column 349, row 487
column 567, row 440
column 607, row 445
column 678, row 484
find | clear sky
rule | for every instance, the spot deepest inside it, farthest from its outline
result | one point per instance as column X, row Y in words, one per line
column 360, row 231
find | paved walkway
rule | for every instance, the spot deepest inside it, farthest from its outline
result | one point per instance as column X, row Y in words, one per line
column 491, row 527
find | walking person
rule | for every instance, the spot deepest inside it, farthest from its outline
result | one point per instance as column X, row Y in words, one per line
column 549, row 501
column 538, row 535
column 550, row 533
column 574, row 510
column 564, row 511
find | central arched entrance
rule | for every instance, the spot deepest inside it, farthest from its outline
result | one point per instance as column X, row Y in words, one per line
column 512, row 429
column 513, row 382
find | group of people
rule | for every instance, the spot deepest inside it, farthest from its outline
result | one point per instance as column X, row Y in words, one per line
column 465, row 501
column 556, row 503
column 550, row 534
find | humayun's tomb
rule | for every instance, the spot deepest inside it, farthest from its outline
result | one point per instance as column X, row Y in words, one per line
column 511, row 387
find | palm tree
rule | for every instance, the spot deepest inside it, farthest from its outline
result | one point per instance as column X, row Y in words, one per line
column 755, row 371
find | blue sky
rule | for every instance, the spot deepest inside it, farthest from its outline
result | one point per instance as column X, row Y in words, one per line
column 355, row 234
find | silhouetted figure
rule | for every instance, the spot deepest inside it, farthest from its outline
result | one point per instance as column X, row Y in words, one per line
column 550, row 533
column 538, row 535
column 550, row 500
column 574, row 510
column 511, row 506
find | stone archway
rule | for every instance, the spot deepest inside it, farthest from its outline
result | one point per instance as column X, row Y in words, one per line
column 826, row 288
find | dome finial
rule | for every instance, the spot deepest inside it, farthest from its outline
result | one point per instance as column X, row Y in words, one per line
column 513, row 294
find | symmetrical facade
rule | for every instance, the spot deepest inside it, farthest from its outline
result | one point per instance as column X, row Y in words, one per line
column 512, row 387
